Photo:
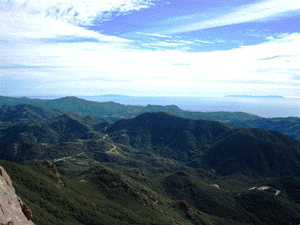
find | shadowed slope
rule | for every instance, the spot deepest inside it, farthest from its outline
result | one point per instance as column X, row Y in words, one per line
column 289, row 125
column 27, row 140
column 269, row 208
column 25, row 113
column 254, row 153
column 206, row 198
column 167, row 135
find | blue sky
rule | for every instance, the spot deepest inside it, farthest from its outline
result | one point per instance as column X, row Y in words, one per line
column 150, row 47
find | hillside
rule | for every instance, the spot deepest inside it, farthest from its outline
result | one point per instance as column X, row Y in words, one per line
column 25, row 113
column 97, row 196
column 167, row 135
column 289, row 126
column 198, row 143
column 101, row 195
column 254, row 152
column 226, row 149
column 156, row 168
column 31, row 140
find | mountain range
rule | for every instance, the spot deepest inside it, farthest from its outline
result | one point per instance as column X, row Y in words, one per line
column 156, row 167
column 111, row 111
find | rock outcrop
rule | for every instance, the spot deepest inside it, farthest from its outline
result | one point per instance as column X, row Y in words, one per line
column 13, row 210
column 52, row 169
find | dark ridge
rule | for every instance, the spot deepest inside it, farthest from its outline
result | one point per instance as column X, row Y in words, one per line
column 272, row 209
column 264, row 155
column 289, row 125
column 25, row 113
column 288, row 185
column 166, row 134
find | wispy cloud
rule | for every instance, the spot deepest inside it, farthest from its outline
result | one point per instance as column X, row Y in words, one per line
column 90, row 67
column 9, row 67
column 278, row 56
column 18, row 25
column 40, row 52
column 164, row 44
column 158, row 35
column 76, row 12
column 171, row 43
column 248, row 13
column 206, row 42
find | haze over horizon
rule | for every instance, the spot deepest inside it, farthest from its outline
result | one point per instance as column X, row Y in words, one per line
column 263, row 106
column 149, row 47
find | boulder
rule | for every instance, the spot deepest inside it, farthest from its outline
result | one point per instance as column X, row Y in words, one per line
column 12, row 209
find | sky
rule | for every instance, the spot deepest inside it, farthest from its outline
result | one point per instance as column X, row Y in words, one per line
column 189, row 48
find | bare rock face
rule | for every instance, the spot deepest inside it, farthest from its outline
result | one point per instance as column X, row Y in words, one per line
column 13, row 210
column 25, row 209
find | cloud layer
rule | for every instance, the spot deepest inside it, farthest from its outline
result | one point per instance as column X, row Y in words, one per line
column 45, row 50
column 77, row 12
column 248, row 13
column 90, row 67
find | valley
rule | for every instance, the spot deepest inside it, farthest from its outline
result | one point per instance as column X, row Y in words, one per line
column 152, row 167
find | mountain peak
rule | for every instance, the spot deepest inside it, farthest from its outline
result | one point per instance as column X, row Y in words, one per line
column 69, row 115
column 68, row 98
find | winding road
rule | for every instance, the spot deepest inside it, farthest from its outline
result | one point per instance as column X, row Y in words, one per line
column 69, row 157
column 113, row 151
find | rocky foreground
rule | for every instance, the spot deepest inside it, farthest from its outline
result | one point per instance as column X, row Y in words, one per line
column 13, row 210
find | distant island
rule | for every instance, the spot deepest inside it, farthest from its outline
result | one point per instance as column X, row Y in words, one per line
column 253, row 96
column 108, row 96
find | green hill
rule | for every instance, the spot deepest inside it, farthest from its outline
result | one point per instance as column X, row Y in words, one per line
column 97, row 196
column 167, row 135
column 25, row 113
column 101, row 195
column 114, row 111
column 254, row 152
column 156, row 168
column 289, row 126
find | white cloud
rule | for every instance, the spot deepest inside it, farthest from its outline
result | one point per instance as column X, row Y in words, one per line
column 68, row 67
column 77, row 12
column 163, row 44
column 158, row 35
column 21, row 20
column 173, row 43
column 252, row 12
column 206, row 42
column 19, row 25
column 115, row 64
